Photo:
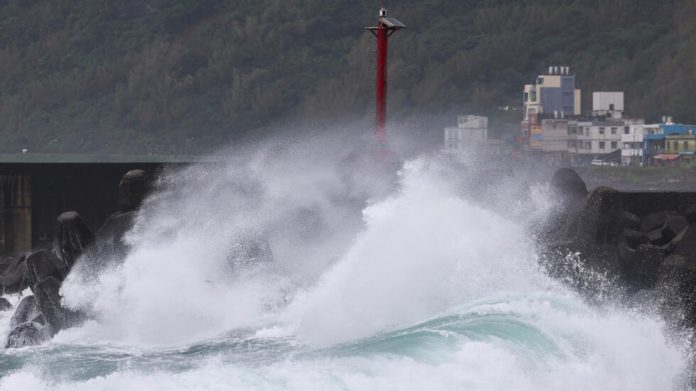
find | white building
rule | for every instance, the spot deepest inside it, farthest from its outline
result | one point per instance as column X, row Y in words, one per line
column 605, row 131
column 632, row 143
column 600, row 137
column 471, row 131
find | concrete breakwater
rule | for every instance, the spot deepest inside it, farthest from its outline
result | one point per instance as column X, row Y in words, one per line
column 39, row 316
column 43, row 270
column 626, row 246
column 33, row 194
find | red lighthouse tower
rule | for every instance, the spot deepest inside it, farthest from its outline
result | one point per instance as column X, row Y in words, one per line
column 386, row 26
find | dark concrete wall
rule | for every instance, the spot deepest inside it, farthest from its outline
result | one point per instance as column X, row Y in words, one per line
column 643, row 203
column 15, row 214
column 34, row 194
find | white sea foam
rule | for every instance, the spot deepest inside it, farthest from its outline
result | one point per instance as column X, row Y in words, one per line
column 423, row 250
column 619, row 353
column 353, row 259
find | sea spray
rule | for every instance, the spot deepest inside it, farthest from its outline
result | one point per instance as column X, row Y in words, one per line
column 410, row 286
column 422, row 251
column 180, row 271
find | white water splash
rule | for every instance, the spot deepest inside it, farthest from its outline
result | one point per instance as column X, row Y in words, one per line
column 352, row 259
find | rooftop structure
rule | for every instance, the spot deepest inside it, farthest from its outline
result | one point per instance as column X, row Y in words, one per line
column 608, row 104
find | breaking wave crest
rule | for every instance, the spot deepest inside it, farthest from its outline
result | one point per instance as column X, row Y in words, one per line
column 378, row 280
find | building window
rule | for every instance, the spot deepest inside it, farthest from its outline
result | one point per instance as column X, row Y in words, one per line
column 611, row 107
column 686, row 145
column 587, row 131
column 533, row 96
column 613, row 130
column 627, row 130
column 588, row 144
column 526, row 96
column 675, row 145
column 601, row 145
column 614, row 145
column 601, row 130
column 627, row 145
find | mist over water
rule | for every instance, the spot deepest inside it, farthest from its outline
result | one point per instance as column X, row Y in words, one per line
column 384, row 276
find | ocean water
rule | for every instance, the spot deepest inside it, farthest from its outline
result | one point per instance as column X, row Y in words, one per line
column 380, row 281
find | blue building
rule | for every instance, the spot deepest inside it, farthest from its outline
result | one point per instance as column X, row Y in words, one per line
column 655, row 140
column 554, row 94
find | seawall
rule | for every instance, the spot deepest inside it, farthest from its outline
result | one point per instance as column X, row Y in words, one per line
column 32, row 195
column 633, row 246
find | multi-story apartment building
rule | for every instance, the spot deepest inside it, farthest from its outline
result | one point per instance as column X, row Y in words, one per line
column 632, row 143
column 602, row 136
column 553, row 95
column 552, row 125
column 553, row 92
column 471, row 131
column 669, row 141
column 681, row 144
column 580, row 140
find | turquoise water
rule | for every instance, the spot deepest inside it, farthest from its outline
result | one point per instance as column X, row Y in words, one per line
column 414, row 288
column 486, row 345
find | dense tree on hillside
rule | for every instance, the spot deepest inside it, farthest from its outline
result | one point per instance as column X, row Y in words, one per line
column 182, row 76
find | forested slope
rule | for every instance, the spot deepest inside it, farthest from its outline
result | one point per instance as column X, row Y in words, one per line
column 184, row 76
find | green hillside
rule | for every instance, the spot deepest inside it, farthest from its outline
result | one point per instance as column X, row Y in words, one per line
column 160, row 76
